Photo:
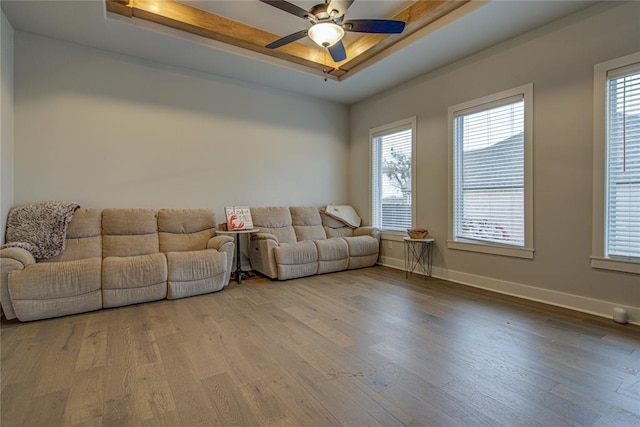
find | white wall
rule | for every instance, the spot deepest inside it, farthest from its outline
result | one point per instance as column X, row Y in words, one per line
column 558, row 58
column 6, row 121
column 107, row 130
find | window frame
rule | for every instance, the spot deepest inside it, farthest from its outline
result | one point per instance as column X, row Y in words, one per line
column 399, row 125
column 599, row 259
column 526, row 251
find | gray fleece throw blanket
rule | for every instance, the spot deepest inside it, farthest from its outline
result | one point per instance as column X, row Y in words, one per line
column 40, row 228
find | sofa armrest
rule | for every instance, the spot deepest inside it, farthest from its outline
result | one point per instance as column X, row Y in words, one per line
column 261, row 253
column 11, row 259
column 225, row 244
column 216, row 242
column 367, row 231
column 20, row 255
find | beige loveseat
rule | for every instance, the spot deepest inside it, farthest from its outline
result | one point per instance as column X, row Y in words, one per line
column 302, row 241
column 116, row 257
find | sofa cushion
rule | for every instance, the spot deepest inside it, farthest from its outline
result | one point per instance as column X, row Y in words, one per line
column 185, row 266
column 170, row 242
column 276, row 221
column 335, row 228
column 296, row 259
column 122, row 221
column 185, row 221
column 28, row 310
column 134, row 271
column 85, row 223
column 84, row 237
column 134, row 279
column 307, row 223
column 56, row 280
column 196, row 272
column 363, row 251
column 333, row 255
column 185, row 229
column 129, row 232
column 46, row 290
column 126, row 246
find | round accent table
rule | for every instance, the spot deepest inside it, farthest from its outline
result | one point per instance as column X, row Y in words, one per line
column 238, row 274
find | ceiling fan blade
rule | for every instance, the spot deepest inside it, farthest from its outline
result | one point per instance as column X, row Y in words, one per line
column 287, row 39
column 337, row 52
column 376, row 26
column 340, row 7
column 288, row 7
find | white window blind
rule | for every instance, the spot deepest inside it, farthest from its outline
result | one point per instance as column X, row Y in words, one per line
column 489, row 187
column 392, row 176
column 623, row 164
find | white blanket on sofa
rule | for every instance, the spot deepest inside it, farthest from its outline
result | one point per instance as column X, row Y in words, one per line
column 345, row 214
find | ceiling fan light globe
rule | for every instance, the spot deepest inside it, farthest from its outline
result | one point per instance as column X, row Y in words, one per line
column 326, row 34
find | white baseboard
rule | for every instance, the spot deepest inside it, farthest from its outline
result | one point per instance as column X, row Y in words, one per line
column 391, row 262
column 559, row 299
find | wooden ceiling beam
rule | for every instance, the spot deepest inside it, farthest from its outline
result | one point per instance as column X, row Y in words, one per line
column 182, row 17
column 174, row 14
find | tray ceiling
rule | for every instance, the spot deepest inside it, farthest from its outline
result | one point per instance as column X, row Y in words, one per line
column 470, row 28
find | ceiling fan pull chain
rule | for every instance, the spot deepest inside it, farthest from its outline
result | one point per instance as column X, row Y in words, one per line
column 325, row 72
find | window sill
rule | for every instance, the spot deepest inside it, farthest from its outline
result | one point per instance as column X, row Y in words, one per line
column 526, row 253
column 615, row 265
column 396, row 236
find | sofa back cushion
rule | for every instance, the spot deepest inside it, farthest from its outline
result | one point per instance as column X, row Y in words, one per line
column 307, row 223
column 84, row 237
column 129, row 232
column 274, row 220
column 335, row 228
column 182, row 230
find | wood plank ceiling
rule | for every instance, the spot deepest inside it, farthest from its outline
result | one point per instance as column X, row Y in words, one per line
column 363, row 52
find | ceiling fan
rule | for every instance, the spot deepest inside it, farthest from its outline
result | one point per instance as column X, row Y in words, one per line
column 328, row 25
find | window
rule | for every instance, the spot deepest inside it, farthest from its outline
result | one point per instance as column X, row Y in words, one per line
column 490, row 189
column 392, row 177
column 616, row 229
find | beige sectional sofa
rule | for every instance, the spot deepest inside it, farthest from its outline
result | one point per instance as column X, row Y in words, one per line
column 116, row 257
column 302, row 241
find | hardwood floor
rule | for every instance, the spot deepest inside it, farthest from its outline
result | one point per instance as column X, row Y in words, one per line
column 356, row 348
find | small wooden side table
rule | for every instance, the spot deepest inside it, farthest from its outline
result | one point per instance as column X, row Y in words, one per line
column 238, row 274
column 418, row 253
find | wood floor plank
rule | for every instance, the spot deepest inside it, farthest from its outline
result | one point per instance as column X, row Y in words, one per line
column 85, row 401
column 166, row 419
column 16, row 401
column 190, row 397
column 358, row 347
column 609, row 408
column 12, row 368
column 120, row 407
column 153, row 392
column 62, row 354
column 50, row 410
column 228, row 401
column 93, row 348
column 333, row 389
column 268, row 409
column 321, row 327
column 474, row 396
